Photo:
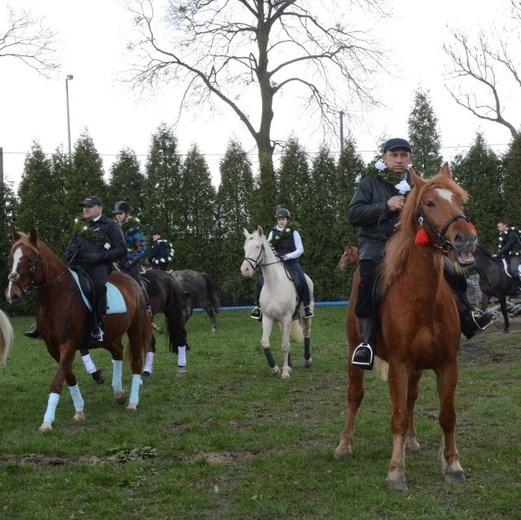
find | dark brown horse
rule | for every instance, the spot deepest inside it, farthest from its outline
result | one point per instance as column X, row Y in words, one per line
column 419, row 322
column 164, row 297
column 63, row 319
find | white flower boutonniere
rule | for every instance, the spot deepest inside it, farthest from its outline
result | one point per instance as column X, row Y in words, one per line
column 403, row 187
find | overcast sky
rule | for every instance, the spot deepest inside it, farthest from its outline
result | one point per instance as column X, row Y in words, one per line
column 92, row 39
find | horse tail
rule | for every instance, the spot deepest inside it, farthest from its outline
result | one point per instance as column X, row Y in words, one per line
column 144, row 336
column 173, row 311
column 6, row 337
column 212, row 294
column 296, row 331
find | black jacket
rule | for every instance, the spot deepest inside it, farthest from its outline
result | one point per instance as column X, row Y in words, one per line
column 158, row 254
column 81, row 250
column 511, row 244
column 368, row 210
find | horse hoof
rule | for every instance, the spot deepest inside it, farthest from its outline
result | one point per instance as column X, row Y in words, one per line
column 285, row 375
column 120, row 396
column 98, row 376
column 396, row 485
column 455, row 476
column 275, row 371
column 46, row 426
column 79, row 416
column 308, row 363
column 131, row 407
column 181, row 372
column 341, row 453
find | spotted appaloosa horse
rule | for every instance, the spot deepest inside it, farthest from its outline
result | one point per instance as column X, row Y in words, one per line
column 63, row 319
column 278, row 300
column 419, row 322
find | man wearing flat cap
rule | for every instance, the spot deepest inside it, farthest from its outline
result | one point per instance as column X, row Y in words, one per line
column 96, row 243
column 375, row 209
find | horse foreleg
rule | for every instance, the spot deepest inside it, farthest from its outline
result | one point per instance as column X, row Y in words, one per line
column 447, row 380
column 504, row 311
column 286, row 346
column 50, row 412
column 398, row 387
column 411, row 442
column 355, row 394
column 117, row 381
column 267, row 325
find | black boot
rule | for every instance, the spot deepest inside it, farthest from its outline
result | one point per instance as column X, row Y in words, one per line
column 97, row 333
column 363, row 356
column 308, row 313
column 473, row 322
column 33, row 332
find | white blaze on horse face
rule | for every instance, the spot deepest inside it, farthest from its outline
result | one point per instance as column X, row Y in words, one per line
column 445, row 194
column 13, row 275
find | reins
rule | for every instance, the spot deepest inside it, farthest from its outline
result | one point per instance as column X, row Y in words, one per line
column 255, row 262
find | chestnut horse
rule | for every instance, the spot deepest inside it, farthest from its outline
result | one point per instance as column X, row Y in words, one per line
column 278, row 300
column 349, row 257
column 419, row 322
column 6, row 337
column 63, row 320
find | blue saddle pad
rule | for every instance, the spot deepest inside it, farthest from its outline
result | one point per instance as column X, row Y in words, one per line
column 115, row 302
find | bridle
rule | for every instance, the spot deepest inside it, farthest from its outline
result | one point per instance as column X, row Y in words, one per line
column 446, row 246
column 259, row 261
column 31, row 272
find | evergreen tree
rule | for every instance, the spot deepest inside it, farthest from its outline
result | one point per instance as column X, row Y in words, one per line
column 41, row 194
column 197, row 248
column 321, row 233
column 512, row 183
column 7, row 223
column 234, row 201
column 85, row 177
column 164, row 204
column 479, row 172
column 127, row 182
column 293, row 178
column 424, row 136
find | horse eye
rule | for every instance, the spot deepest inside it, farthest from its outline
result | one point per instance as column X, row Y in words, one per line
column 430, row 204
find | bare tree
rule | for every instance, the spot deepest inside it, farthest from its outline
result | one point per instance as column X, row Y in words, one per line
column 244, row 53
column 483, row 75
column 25, row 38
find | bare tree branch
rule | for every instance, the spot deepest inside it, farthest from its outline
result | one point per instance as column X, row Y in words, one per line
column 237, row 51
column 26, row 38
column 481, row 76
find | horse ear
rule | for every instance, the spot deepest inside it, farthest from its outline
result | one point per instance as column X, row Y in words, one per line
column 260, row 231
column 33, row 235
column 246, row 232
column 16, row 235
column 445, row 170
column 415, row 178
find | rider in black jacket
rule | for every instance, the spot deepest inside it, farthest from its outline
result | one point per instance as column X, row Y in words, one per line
column 510, row 247
column 96, row 243
column 375, row 209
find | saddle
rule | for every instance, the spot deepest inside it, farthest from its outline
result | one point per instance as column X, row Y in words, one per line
column 150, row 285
column 298, row 288
column 115, row 302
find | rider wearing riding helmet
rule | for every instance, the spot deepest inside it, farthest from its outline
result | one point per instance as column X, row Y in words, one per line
column 288, row 246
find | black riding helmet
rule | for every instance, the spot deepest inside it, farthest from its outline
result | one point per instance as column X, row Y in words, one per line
column 282, row 212
column 121, row 207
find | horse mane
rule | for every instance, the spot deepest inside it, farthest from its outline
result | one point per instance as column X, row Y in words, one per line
column 399, row 246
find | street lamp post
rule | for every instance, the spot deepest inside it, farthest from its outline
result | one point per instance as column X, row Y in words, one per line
column 67, row 79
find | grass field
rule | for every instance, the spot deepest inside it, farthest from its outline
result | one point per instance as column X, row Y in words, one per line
column 229, row 441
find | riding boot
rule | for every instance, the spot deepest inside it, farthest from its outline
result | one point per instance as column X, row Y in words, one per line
column 471, row 323
column 33, row 332
column 363, row 356
column 98, row 332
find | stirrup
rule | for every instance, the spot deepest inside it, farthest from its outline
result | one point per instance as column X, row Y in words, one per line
column 479, row 316
column 366, row 356
column 256, row 313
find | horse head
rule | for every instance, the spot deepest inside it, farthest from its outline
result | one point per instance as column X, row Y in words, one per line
column 349, row 257
column 434, row 214
column 253, row 251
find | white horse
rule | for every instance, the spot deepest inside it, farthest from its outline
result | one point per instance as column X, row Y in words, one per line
column 6, row 337
column 278, row 300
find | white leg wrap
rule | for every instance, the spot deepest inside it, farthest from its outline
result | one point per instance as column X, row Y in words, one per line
column 134, row 390
column 149, row 362
column 181, row 356
column 52, row 403
column 117, row 373
column 77, row 399
column 90, row 367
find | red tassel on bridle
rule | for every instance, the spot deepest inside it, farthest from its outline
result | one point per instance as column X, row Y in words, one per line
column 421, row 238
